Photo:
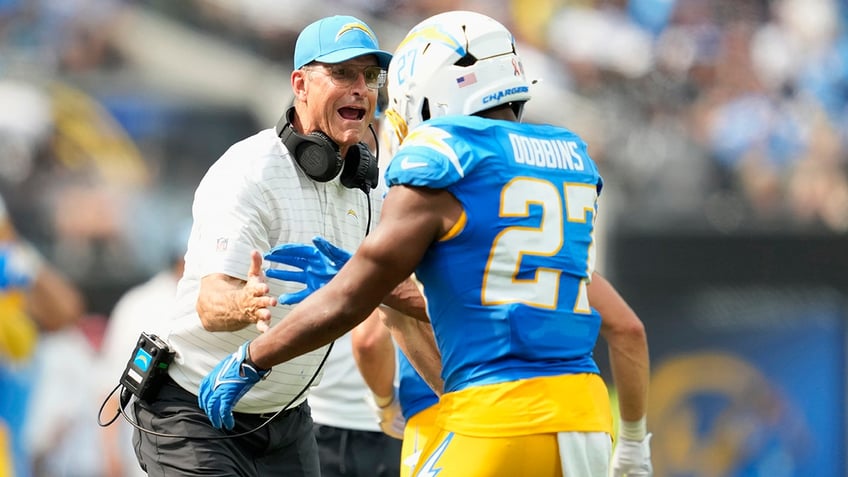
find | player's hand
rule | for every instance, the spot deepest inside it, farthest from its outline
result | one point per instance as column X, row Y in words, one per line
column 389, row 416
column 632, row 458
column 317, row 265
column 336, row 255
column 222, row 388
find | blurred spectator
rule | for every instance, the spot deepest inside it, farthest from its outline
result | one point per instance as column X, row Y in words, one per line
column 138, row 310
column 61, row 432
column 34, row 296
column 59, row 35
column 25, row 124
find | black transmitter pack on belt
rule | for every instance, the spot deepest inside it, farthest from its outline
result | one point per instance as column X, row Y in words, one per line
column 147, row 367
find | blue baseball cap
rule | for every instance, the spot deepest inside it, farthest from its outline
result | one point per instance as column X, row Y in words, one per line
column 336, row 39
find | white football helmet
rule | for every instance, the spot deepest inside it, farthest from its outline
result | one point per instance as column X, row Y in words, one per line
column 457, row 62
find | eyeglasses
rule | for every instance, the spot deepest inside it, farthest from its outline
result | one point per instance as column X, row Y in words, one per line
column 346, row 75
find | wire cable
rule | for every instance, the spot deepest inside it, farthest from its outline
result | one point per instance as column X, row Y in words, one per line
column 122, row 411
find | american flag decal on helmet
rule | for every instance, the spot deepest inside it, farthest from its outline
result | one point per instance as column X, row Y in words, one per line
column 466, row 80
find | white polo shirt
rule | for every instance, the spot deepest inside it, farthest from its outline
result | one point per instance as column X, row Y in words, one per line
column 254, row 198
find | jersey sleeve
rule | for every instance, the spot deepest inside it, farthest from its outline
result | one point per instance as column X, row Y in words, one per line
column 426, row 158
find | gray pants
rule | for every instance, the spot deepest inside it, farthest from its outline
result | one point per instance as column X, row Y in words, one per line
column 351, row 453
column 284, row 447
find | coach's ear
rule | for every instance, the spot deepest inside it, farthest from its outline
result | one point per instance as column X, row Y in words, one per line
column 298, row 84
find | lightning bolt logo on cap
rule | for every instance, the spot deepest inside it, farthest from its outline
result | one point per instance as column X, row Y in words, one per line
column 355, row 26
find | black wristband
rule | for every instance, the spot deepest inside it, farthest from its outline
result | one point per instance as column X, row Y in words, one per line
column 252, row 364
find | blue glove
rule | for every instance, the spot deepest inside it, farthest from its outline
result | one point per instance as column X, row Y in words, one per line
column 318, row 265
column 18, row 266
column 221, row 389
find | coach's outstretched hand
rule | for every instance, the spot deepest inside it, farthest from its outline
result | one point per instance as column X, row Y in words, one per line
column 221, row 389
column 317, row 265
column 632, row 458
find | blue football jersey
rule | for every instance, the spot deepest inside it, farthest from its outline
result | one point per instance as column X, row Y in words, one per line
column 506, row 289
column 414, row 394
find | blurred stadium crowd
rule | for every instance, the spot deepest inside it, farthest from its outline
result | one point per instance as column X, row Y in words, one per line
column 719, row 116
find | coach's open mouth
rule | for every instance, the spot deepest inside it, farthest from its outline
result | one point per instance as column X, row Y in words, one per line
column 352, row 113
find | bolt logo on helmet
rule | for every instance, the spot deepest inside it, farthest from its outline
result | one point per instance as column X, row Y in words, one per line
column 456, row 62
column 428, row 33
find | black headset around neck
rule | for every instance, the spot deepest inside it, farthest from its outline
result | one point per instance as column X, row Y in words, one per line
column 319, row 158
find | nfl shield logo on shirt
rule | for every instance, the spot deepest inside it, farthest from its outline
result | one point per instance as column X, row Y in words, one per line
column 221, row 245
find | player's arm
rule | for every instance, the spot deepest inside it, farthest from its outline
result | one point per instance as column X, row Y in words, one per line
column 415, row 338
column 374, row 352
column 411, row 219
column 227, row 303
column 375, row 356
column 628, row 349
column 407, row 300
column 52, row 300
